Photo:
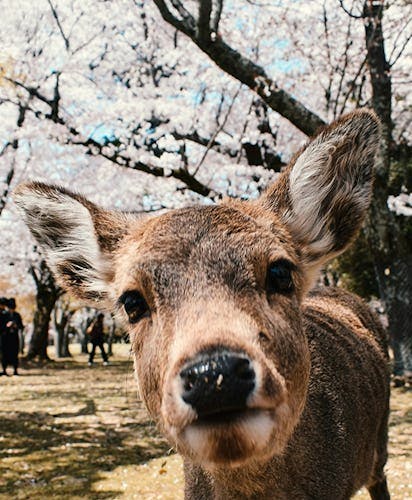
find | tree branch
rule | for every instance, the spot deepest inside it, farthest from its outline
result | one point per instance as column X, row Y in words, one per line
column 9, row 178
column 14, row 144
column 35, row 277
column 32, row 91
column 95, row 148
column 205, row 141
column 186, row 24
column 216, row 17
column 353, row 85
column 185, row 14
column 56, row 17
column 345, row 64
column 219, row 129
column 203, row 21
column 56, row 100
column 393, row 61
column 349, row 12
column 251, row 74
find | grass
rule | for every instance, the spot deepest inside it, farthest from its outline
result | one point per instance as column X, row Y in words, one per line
column 70, row 431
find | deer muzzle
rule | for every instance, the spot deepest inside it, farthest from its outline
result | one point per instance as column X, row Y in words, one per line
column 217, row 409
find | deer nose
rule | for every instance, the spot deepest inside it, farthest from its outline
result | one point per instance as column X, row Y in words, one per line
column 219, row 382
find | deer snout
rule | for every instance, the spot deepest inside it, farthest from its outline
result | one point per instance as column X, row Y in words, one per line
column 219, row 382
column 226, row 406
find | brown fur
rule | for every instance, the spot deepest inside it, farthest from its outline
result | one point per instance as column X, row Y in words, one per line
column 315, row 425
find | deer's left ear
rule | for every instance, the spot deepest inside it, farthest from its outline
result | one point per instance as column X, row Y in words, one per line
column 323, row 195
column 77, row 237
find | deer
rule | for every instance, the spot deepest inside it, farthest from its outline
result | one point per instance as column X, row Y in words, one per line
column 268, row 385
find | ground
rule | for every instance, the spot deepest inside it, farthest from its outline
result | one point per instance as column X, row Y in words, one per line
column 69, row 431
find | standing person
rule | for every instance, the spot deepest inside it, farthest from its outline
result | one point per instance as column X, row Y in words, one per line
column 4, row 318
column 16, row 318
column 11, row 338
column 95, row 333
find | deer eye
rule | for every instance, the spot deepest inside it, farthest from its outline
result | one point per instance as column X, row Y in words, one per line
column 135, row 305
column 279, row 277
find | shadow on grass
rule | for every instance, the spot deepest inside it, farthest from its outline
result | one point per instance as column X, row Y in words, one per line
column 65, row 427
column 65, row 459
column 61, row 454
column 401, row 407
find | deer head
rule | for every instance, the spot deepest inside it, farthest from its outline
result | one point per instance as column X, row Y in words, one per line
column 212, row 294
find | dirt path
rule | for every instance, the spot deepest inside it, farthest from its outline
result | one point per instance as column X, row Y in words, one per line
column 68, row 431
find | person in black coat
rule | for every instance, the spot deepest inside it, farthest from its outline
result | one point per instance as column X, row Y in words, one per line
column 4, row 319
column 96, row 336
column 10, row 338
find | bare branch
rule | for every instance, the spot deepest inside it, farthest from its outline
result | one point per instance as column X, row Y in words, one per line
column 56, row 17
column 245, row 125
column 56, row 99
column 344, row 68
column 14, row 144
column 203, row 21
column 361, row 70
column 204, row 141
column 140, row 5
column 32, row 91
column 34, row 274
column 86, row 43
column 185, row 14
column 328, row 50
column 217, row 14
column 95, row 148
column 217, row 131
column 257, row 4
column 400, row 52
column 9, row 178
column 5, row 148
column 349, row 12
column 400, row 32
column 186, row 24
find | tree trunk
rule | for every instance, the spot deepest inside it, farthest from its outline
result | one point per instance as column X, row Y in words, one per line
column 84, row 326
column 65, row 345
column 58, row 341
column 41, row 322
column 62, row 317
column 62, row 339
column 110, row 337
column 399, row 309
column 46, row 296
column 388, row 234
column 22, row 340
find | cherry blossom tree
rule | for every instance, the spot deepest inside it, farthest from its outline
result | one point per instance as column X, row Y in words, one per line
column 145, row 105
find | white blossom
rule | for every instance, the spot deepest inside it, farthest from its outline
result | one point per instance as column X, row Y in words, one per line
column 401, row 204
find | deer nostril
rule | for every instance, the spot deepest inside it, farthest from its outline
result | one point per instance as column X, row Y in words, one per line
column 189, row 378
column 189, row 383
column 243, row 369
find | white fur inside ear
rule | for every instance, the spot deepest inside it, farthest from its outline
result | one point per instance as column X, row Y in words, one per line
column 64, row 229
column 315, row 178
column 306, row 194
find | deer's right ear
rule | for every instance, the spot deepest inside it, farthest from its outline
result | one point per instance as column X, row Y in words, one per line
column 323, row 196
column 77, row 237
